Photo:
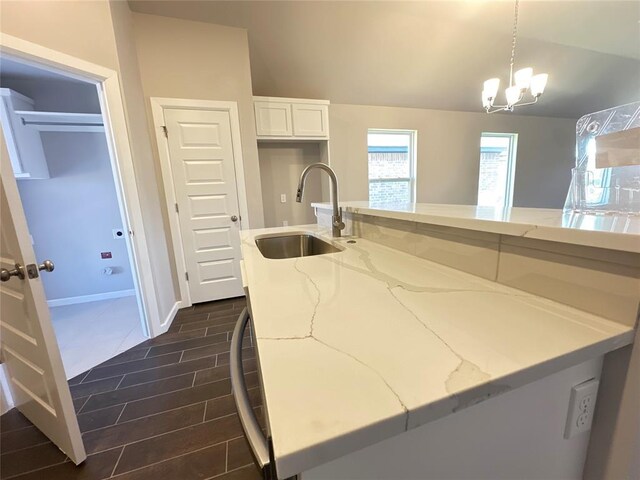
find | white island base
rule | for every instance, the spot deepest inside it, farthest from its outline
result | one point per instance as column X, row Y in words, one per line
column 517, row 435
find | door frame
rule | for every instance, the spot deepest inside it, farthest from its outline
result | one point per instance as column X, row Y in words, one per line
column 158, row 106
column 118, row 141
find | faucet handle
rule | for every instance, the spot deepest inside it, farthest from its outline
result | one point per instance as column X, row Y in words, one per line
column 337, row 221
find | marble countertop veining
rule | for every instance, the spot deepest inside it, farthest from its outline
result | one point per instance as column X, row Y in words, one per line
column 364, row 344
column 617, row 232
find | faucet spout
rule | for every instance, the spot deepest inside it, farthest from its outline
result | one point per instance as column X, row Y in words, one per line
column 337, row 225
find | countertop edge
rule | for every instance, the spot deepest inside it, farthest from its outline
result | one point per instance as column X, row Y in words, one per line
column 626, row 242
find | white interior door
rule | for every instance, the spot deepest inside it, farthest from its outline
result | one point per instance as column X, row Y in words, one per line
column 28, row 344
column 202, row 166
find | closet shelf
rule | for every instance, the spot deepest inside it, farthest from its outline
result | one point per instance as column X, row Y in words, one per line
column 61, row 121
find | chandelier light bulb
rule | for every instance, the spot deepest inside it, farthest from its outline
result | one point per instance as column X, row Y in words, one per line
column 513, row 95
column 491, row 87
column 538, row 82
column 486, row 102
column 523, row 77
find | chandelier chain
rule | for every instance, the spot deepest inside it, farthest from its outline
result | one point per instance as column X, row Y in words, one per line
column 513, row 41
column 526, row 80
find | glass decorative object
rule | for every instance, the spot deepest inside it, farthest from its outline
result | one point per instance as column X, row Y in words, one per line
column 606, row 178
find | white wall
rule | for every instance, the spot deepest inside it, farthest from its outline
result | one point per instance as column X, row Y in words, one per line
column 157, row 232
column 72, row 214
column 448, row 153
column 87, row 30
column 280, row 167
column 55, row 95
column 80, row 29
column 195, row 60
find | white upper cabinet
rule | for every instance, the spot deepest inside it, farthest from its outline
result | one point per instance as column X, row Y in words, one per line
column 310, row 120
column 273, row 119
column 291, row 118
column 23, row 142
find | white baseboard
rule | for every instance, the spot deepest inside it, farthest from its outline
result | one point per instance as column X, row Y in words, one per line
column 171, row 315
column 6, row 400
column 58, row 302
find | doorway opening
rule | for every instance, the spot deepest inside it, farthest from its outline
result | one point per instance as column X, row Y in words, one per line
column 67, row 182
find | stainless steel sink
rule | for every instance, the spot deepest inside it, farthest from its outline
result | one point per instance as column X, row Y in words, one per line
column 293, row 246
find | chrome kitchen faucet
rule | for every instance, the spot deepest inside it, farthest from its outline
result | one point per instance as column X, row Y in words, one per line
column 336, row 220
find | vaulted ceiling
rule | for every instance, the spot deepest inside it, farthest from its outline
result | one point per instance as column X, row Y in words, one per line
column 432, row 54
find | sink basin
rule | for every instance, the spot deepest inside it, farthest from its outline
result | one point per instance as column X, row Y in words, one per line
column 293, row 246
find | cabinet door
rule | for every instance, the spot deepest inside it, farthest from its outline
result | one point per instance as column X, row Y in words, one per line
column 273, row 119
column 310, row 120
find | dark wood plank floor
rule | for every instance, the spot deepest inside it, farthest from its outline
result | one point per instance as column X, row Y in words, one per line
column 161, row 410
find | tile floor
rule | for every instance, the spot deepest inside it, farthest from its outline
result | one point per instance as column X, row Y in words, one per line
column 90, row 333
column 161, row 410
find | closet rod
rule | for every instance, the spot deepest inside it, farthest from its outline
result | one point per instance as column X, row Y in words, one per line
column 63, row 124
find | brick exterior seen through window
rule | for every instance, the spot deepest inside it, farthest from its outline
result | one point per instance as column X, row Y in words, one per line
column 390, row 167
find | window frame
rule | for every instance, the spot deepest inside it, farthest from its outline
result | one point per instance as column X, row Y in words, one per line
column 412, row 149
column 511, row 165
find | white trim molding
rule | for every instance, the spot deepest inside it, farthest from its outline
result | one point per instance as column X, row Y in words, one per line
column 118, row 141
column 171, row 315
column 6, row 400
column 95, row 297
column 158, row 106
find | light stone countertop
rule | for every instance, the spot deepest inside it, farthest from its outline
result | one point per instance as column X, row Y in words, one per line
column 361, row 345
column 616, row 232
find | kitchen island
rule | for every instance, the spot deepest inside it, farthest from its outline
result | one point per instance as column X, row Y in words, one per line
column 370, row 349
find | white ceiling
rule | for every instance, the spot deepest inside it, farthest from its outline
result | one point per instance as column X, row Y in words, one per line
column 432, row 54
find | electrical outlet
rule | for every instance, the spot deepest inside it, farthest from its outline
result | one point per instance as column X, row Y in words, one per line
column 285, row 223
column 283, row 198
column 583, row 420
column 582, row 404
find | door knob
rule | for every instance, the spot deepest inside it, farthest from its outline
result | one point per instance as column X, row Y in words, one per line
column 234, row 218
column 5, row 275
column 47, row 266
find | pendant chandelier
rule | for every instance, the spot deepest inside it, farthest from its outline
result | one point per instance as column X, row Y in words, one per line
column 519, row 82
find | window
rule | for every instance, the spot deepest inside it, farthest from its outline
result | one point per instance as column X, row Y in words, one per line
column 391, row 166
column 497, row 169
